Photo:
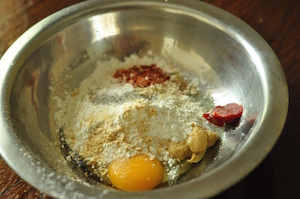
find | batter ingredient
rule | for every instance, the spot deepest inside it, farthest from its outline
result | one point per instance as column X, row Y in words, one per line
column 136, row 173
column 112, row 120
column 142, row 76
column 221, row 115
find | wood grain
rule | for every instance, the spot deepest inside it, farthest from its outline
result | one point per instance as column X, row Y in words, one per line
column 277, row 21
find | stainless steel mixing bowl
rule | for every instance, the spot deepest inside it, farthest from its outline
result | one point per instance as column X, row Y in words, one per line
column 234, row 61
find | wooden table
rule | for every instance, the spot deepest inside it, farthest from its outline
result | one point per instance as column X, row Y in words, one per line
column 278, row 21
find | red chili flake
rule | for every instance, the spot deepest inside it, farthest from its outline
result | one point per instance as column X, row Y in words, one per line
column 143, row 75
column 221, row 115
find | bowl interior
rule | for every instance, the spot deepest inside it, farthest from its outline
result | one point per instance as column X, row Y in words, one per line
column 207, row 42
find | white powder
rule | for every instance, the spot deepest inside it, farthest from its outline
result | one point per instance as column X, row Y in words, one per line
column 105, row 120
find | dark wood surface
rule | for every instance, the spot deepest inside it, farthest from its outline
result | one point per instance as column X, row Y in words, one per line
column 278, row 21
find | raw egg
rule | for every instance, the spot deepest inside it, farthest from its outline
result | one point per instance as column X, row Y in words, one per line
column 137, row 173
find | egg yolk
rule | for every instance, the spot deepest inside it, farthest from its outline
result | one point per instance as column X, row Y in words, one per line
column 137, row 173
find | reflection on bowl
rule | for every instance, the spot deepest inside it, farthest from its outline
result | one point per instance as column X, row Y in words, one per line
column 235, row 63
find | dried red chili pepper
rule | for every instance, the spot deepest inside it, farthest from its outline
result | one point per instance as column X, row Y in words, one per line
column 143, row 75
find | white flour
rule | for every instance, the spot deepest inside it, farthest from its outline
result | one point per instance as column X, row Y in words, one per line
column 105, row 120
